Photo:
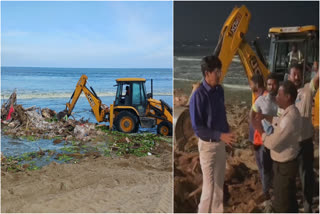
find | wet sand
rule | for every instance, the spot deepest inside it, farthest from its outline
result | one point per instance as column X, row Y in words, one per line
column 103, row 184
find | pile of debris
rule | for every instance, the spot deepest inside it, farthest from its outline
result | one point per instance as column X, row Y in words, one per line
column 180, row 98
column 42, row 123
column 242, row 188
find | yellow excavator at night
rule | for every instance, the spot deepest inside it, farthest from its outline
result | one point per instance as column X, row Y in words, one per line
column 232, row 41
column 132, row 106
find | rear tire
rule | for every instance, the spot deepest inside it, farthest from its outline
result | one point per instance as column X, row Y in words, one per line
column 126, row 122
column 164, row 128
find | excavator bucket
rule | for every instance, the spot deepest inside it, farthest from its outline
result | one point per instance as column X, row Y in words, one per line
column 183, row 128
column 183, row 131
column 62, row 114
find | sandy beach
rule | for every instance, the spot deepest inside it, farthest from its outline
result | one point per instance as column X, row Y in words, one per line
column 103, row 184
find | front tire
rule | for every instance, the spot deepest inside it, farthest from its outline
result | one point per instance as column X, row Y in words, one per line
column 164, row 128
column 126, row 122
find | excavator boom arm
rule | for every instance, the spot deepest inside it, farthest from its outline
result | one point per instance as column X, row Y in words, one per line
column 92, row 98
column 76, row 94
column 251, row 62
column 232, row 42
column 231, row 37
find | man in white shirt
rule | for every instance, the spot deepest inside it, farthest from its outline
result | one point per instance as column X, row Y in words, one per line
column 304, row 104
column 295, row 56
column 284, row 148
column 266, row 105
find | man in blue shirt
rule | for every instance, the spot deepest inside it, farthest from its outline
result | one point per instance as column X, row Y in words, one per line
column 209, row 122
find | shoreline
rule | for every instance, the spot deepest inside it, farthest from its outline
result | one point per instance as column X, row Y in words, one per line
column 5, row 97
column 37, row 151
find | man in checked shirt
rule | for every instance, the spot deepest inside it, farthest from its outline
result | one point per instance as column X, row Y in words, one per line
column 209, row 122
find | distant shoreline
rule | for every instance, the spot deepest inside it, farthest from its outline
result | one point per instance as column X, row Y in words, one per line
column 62, row 97
column 10, row 66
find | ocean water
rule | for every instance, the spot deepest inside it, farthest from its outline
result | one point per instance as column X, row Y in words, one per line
column 53, row 87
column 32, row 82
column 187, row 59
column 187, row 71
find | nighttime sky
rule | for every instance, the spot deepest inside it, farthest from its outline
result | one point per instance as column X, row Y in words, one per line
column 194, row 21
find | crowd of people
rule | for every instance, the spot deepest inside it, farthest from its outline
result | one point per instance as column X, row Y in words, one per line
column 280, row 128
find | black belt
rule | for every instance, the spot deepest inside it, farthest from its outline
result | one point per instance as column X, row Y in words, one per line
column 207, row 140
column 308, row 140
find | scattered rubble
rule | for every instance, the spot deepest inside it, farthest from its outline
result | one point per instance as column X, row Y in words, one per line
column 48, row 113
column 180, row 99
column 5, row 108
column 41, row 123
column 83, row 131
column 79, row 137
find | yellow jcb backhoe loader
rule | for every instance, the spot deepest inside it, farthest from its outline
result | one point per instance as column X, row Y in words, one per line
column 132, row 107
column 232, row 42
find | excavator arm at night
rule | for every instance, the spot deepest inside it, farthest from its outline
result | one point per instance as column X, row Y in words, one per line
column 99, row 109
column 231, row 42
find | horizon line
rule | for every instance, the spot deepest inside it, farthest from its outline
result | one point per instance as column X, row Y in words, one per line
column 87, row 67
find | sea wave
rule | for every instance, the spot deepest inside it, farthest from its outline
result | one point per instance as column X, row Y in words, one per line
column 235, row 59
column 67, row 95
column 232, row 86
column 183, row 79
column 239, row 87
column 188, row 59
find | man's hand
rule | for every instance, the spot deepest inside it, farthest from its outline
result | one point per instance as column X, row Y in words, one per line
column 259, row 116
column 256, row 123
column 256, row 118
column 228, row 138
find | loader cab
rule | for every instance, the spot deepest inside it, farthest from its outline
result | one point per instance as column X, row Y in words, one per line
column 131, row 92
column 304, row 39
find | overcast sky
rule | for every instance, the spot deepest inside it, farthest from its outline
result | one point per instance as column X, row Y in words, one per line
column 86, row 34
column 197, row 20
